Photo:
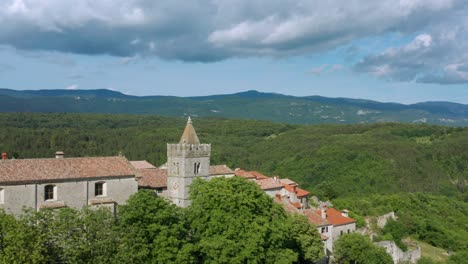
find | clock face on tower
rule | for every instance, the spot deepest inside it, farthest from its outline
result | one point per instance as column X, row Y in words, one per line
column 175, row 186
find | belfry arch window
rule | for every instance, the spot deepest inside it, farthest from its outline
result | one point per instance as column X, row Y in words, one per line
column 50, row 192
column 196, row 167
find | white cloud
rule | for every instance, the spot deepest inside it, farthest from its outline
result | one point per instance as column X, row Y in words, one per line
column 439, row 57
column 72, row 87
column 210, row 30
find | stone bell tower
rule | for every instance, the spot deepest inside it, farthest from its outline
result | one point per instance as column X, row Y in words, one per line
column 186, row 161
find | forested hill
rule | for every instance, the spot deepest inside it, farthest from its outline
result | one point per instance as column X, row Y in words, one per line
column 247, row 105
column 332, row 160
column 419, row 171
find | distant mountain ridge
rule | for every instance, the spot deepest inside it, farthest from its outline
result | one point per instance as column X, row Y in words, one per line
column 250, row 104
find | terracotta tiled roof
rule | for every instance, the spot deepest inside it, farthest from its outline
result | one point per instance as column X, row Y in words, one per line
column 287, row 181
column 244, row 174
column 309, row 213
column 315, row 218
column 268, row 184
column 336, row 218
column 152, row 178
column 37, row 170
column 288, row 207
column 250, row 174
column 157, row 178
column 142, row 164
column 220, row 170
column 299, row 192
column 297, row 205
column 258, row 175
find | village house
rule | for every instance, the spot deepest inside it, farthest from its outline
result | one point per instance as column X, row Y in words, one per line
column 65, row 182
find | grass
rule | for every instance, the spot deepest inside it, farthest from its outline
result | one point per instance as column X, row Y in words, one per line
column 433, row 253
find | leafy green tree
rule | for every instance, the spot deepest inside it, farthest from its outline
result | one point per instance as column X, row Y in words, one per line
column 357, row 249
column 308, row 242
column 21, row 242
column 153, row 230
column 79, row 236
column 234, row 221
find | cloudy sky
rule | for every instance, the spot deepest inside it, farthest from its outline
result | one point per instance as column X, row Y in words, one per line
column 388, row 50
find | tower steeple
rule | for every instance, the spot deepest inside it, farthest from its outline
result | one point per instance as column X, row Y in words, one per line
column 189, row 136
column 186, row 161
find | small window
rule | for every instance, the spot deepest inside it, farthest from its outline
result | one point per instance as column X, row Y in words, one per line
column 2, row 196
column 100, row 189
column 349, row 231
column 323, row 230
column 341, row 232
column 196, row 167
column 49, row 192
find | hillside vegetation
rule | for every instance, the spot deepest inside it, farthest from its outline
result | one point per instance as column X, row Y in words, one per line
column 249, row 105
column 420, row 171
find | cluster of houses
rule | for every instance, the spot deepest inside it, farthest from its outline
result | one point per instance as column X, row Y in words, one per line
column 109, row 181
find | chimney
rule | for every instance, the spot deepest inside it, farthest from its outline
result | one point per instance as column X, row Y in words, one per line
column 59, row 155
column 345, row 213
column 294, row 187
column 4, row 156
column 323, row 211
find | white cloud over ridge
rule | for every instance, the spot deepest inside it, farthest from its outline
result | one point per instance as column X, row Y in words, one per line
column 211, row 30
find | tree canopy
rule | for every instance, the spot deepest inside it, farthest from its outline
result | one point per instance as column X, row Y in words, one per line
column 357, row 249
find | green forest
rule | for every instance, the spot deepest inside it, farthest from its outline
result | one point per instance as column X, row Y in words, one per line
column 418, row 171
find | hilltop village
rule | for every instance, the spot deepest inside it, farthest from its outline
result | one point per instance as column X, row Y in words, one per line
column 109, row 181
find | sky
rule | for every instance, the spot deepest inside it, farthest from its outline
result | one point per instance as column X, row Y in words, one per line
column 403, row 51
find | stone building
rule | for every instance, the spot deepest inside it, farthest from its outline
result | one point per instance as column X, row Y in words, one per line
column 187, row 160
column 65, row 182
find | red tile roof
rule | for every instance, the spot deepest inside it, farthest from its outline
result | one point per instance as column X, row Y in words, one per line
column 315, row 218
column 157, row 178
column 40, row 170
column 335, row 217
column 250, row 174
column 244, row 174
column 220, row 170
column 258, row 175
column 288, row 207
column 142, row 164
column 152, row 178
column 299, row 192
column 297, row 205
column 269, row 183
column 287, row 181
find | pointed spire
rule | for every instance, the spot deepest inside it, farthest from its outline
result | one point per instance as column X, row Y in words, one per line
column 189, row 136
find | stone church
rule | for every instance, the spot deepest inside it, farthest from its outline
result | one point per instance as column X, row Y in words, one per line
column 187, row 160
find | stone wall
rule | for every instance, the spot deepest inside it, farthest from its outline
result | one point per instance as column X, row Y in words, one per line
column 382, row 220
column 398, row 255
column 343, row 229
